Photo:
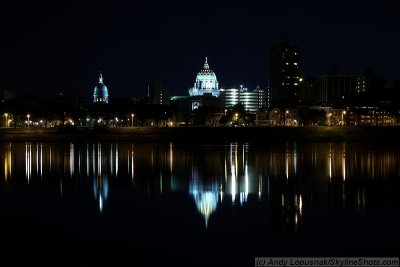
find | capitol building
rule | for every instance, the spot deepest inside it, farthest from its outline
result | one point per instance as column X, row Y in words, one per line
column 206, row 82
column 100, row 92
column 206, row 86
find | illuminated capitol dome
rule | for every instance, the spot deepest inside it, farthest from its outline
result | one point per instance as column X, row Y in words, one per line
column 206, row 82
column 100, row 93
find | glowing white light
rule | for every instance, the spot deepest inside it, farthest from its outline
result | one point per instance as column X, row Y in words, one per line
column 71, row 159
column 330, row 166
column 344, row 167
column 41, row 160
column 132, row 165
column 116, row 160
column 111, row 160
column 171, row 157
column 233, row 183
column 87, row 160
column 300, row 205
column 37, row 158
column 287, row 165
column 28, row 161
column 100, row 203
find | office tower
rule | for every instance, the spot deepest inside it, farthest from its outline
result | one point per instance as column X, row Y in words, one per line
column 284, row 75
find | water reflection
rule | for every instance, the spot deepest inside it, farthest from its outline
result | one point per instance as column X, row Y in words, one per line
column 206, row 199
column 288, row 177
column 7, row 161
column 100, row 176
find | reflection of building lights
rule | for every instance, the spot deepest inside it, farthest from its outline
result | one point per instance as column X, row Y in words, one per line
column 28, row 161
column 287, row 165
column 7, row 164
column 171, row 156
column 71, row 159
column 116, row 160
column 221, row 194
column 132, row 164
column 233, row 183
column 344, row 167
column 300, row 205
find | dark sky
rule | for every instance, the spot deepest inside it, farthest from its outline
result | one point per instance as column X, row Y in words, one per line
column 48, row 47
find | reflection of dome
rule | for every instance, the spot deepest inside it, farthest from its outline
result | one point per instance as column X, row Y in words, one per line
column 100, row 190
column 206, row 203
column 206, row 199
column 100, row 93
column 206, row 82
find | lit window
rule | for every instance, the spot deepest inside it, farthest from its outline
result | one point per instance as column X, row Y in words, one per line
column 295, row 63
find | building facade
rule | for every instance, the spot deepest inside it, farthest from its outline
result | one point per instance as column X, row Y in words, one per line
column 284, row 75
column 335, row 88
column 158, row 93
column 251, row 100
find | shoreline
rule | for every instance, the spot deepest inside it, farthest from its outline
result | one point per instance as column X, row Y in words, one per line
column 205, row 134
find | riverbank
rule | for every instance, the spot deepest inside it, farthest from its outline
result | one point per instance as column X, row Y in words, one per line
column 200, row 134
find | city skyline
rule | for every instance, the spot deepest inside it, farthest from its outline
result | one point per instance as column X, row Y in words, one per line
column 53, row 48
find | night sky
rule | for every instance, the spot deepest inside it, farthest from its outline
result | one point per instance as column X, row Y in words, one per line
column 60, row 46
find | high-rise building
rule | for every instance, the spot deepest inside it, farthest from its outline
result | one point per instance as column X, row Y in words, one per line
column 284, row 75
column 366, row 82
column 100, row 92
column 158, row 93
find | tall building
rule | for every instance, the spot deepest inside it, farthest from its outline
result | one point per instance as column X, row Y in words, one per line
column 206, row 82
column 158, row 93
column 100, row 92
column 284, row 75
column 367, row 82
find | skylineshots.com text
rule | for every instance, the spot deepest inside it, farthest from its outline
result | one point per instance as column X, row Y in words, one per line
column 337, row 262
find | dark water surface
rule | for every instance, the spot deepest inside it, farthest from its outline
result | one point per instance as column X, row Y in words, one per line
column 125, row 204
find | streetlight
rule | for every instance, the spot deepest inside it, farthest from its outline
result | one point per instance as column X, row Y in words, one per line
column 284, row 120
column 343, row 113
column 28, row 116
column 329, row 119
column 6, row 115
column 132, row 115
